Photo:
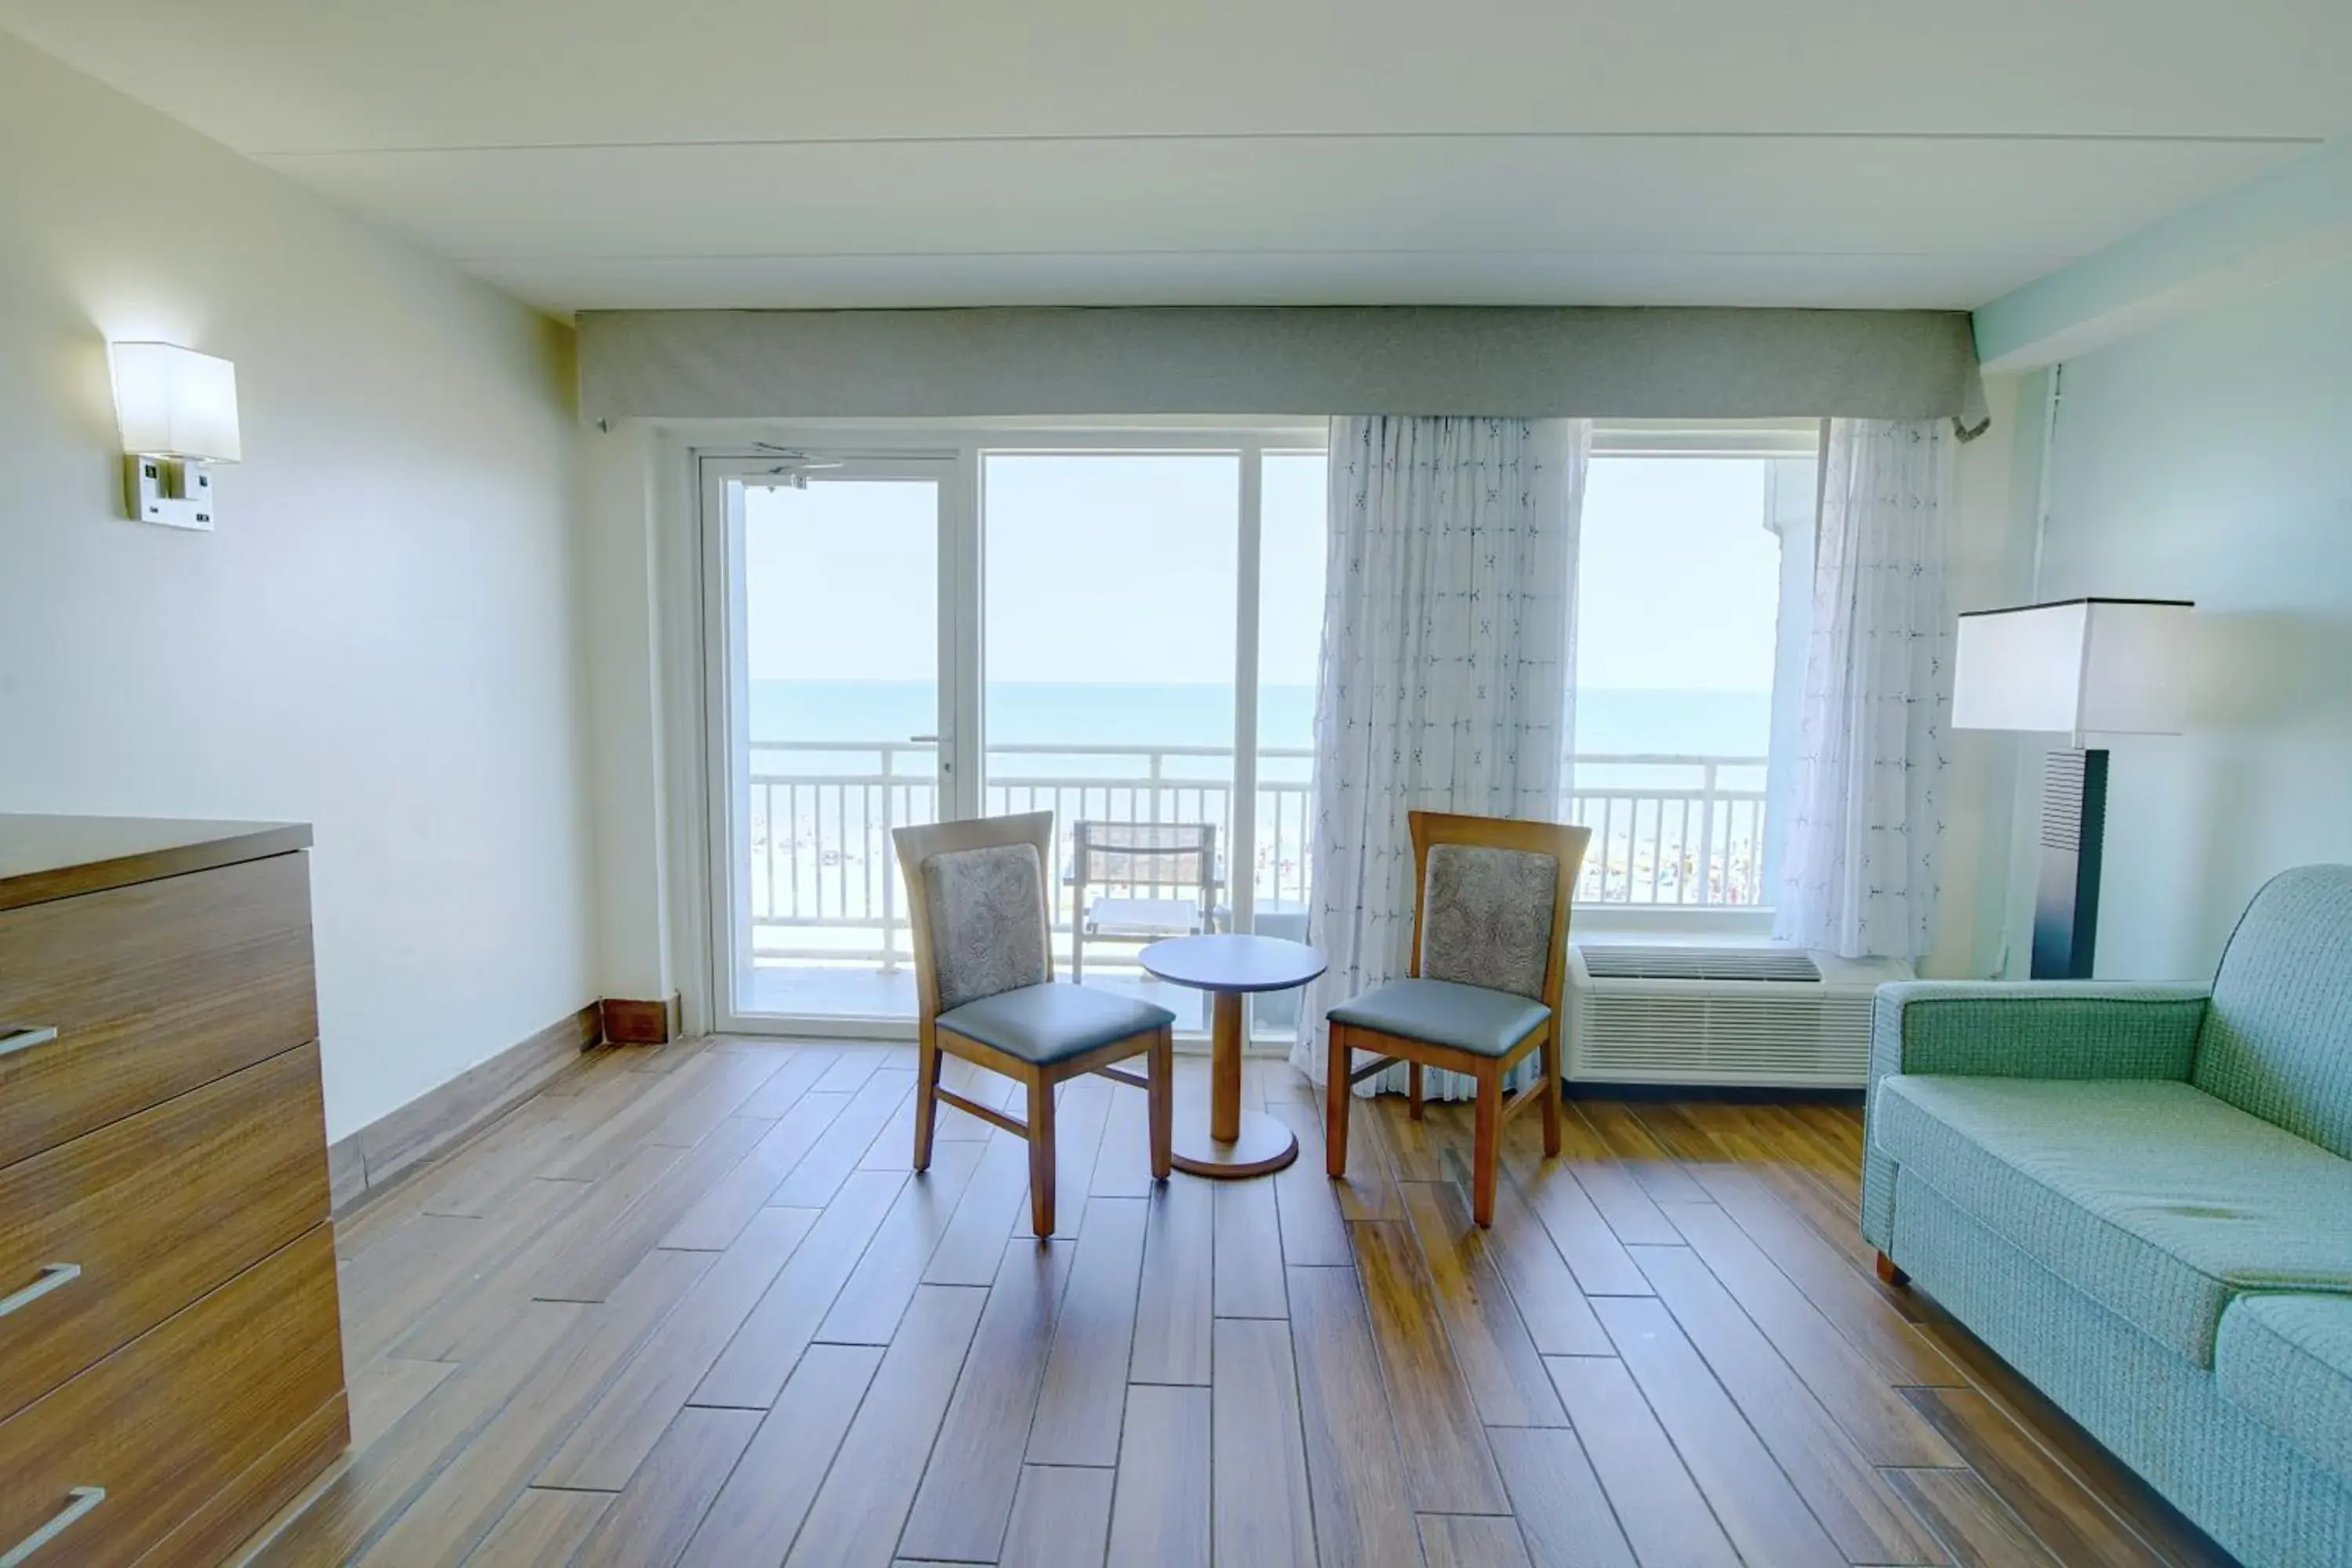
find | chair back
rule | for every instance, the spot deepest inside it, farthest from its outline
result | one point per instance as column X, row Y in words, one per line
column 1491, row 902
column 2277, row 1040
column 976, row 896
column 1145, row 855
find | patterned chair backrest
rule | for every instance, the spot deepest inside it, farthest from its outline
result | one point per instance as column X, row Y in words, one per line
column 2277, row 1041
column 987, row 912
column 1486, row 917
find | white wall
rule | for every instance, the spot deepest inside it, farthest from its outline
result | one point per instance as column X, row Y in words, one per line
column 2211, row 459
column 380, row 639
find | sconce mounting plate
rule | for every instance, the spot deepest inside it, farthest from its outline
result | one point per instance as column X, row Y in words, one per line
column 173, row 491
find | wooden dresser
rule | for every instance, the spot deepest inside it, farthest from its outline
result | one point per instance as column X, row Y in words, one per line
column 171, row 1361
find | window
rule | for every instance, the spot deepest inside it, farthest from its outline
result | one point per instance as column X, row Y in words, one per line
column 1689, row 647
column 1126, row 628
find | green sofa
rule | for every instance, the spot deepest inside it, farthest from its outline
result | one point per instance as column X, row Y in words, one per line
column 2141, row 1198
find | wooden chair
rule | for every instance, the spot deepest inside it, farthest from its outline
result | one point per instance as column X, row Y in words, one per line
column 1489, row 953
column 984, row 977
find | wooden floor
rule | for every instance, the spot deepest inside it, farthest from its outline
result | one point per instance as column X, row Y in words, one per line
column 689, row 1306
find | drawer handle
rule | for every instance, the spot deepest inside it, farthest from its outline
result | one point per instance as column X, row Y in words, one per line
column 15, row 1037
column 84, row 1498
column 53, row 1277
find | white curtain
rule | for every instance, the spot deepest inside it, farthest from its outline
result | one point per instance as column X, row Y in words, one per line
column 1865, row 830
column 1448, row 675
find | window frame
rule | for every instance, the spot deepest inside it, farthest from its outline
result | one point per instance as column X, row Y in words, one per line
column 1793, row 501
column 704, row 907
column 962, row 589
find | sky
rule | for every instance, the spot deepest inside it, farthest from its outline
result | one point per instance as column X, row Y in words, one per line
column 1679, row 584
column 1119, row 567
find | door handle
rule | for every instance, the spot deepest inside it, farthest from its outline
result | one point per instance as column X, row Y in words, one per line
column 922, row 739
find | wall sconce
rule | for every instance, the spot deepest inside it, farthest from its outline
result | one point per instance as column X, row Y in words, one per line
column 177, row 409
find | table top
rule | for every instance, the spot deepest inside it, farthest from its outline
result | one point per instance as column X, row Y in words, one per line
column 1232, row 962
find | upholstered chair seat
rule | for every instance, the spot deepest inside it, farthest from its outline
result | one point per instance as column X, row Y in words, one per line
column 1445, row 1012
column 1051, row 1022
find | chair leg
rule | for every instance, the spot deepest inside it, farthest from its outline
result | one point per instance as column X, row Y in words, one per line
column 1412, row 1090
column 1160, row 1069
column 1547, row 1064
column 1489, row 1145
column 1336, row 1095
column 926, row 1104
column 1041, row 1155
column 1892, row 1274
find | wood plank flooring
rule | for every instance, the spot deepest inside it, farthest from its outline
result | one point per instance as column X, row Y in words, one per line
column 690, row 1305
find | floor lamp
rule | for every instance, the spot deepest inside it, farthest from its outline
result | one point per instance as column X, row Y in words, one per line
column 2074, row 667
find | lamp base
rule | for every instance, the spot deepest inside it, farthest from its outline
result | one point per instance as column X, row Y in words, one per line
column 2073, row 828
column 175, row 491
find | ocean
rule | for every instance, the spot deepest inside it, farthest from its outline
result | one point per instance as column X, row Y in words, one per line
column 1097, row 714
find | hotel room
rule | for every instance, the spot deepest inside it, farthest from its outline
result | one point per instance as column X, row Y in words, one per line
column 1066, row 785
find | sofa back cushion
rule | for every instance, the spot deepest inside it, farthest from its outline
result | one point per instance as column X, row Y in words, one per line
column 2277, row 1040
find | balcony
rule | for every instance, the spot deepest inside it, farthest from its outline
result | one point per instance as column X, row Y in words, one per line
column 828, row 911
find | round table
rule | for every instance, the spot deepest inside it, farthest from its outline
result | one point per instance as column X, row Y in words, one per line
column 1234, row 1142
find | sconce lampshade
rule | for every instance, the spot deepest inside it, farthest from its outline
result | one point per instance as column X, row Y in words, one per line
column 173, row 401
column 2076, row 668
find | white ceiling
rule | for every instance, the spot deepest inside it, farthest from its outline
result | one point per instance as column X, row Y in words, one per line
column 592, row 153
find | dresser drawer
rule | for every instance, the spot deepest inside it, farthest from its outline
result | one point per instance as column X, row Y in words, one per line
column 153, row 990
column 104, row 1238
column 164, row 1425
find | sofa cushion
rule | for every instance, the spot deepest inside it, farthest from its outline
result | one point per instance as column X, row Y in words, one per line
column 2287, row 1361
column 2277, row 1041
column 2154, row 1199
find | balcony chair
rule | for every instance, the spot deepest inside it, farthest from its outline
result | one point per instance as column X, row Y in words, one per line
column 1175, row 862
column 984, row 980
column 1489, row 946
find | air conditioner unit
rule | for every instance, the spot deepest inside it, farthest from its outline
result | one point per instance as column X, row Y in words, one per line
column 1755, row 1015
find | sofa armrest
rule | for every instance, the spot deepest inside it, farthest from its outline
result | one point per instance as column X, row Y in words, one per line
column 2077, row 1029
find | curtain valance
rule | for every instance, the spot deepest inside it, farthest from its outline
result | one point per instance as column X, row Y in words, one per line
column 1518, row 362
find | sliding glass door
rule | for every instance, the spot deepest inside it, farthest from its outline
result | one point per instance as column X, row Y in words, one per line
column 835, row 723
column 1005, row 623
column 1107, row 644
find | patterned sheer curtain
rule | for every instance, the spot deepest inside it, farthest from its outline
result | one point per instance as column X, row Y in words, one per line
column 1865, row 831
column 1447, row 671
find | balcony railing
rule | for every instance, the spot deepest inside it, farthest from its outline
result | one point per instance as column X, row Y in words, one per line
column 825, row 889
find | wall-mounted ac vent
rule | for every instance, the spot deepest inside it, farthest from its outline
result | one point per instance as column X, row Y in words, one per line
column 1700, row 963
column 1729, row 1015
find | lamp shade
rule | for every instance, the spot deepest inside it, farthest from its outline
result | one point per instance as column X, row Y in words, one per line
column 2082, row 666
column 173, row 401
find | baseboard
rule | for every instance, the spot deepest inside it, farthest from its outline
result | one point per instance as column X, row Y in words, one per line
column 377, row 1154
column 628, row 1022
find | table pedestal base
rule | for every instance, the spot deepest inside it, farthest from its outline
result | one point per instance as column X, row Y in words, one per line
column 1214, row 1136
column 1264, row 1147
